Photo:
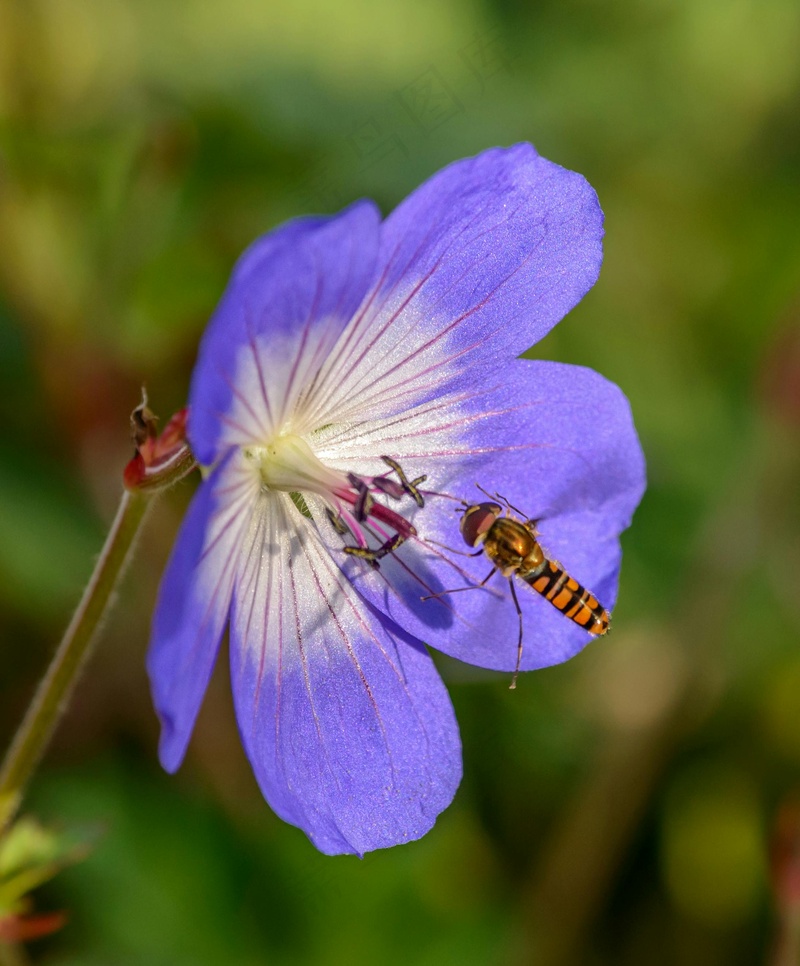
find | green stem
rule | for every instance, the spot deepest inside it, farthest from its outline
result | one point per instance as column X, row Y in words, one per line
column 51, row 698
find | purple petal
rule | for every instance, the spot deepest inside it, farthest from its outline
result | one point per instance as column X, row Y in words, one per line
column 558, row 441
column 345, row 720
column 289, row 297
column 474, row 267
column 193, row 604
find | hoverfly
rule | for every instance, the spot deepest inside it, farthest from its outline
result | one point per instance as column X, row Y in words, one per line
column 512, row 547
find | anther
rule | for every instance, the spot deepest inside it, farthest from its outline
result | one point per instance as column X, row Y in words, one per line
column 409, row 486
column 336, row 521
column 364, row 501
column 373, row 556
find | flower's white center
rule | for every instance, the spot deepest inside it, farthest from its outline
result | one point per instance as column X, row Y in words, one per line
column 288, row 463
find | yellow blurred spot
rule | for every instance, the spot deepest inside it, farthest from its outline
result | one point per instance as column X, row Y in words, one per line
column 341, row 41
column 781, row 709
column 713, row 853
column 764, row 36
column 82, row 51
column 45, row 267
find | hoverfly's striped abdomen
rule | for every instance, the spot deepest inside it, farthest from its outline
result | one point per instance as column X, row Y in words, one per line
column 514, row 551
column 567, row 595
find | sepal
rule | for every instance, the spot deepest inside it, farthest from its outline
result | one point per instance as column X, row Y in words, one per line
column 160, row 459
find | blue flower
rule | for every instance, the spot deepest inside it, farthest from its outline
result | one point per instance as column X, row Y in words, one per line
column 340, row 341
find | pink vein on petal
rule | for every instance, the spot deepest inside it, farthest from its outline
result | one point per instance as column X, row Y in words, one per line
column 387, row 294
column 227, row 577
column 298, row 628
column 301, row 347
column 236, row 392
column 251, row 341
column 346, row 590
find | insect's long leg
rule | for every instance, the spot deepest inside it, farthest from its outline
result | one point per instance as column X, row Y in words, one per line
column 460, row 553
column 519, row 641
column 456, row 590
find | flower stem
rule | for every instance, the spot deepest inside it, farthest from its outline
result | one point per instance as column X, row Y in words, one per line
column 51, row 698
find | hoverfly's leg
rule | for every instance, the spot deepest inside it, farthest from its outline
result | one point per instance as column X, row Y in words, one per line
column 460, row 553
column 409, row 486
column 373, row 556
column 337, row 522
column 519, row 641
column 457, row 590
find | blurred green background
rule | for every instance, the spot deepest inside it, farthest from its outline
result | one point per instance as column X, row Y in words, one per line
column 619, row 809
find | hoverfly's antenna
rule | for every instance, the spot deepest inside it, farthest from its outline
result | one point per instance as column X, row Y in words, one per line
column 502, row 499
column 510, row 505
column 486, row 492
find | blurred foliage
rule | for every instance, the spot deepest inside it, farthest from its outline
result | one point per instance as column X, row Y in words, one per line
column 29, row 856
column 615, row 810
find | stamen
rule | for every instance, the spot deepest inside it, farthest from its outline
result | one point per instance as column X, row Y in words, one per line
column 289, row 464
column 353, row 526
column 364, row 501
column 409, row 486
column 336, row 521
column 379, row 512
column 390, row 487
column 373, row 556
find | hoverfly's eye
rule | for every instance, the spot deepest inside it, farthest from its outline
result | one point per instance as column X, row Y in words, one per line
column 477, row 521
